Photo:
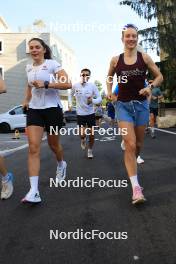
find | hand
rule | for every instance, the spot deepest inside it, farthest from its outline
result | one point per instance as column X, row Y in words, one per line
column 25, row 105
column 109, row 95
column 145, row 91
column 38, row 84
column 89, row 100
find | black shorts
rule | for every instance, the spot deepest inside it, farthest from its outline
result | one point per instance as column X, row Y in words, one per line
column 52, row 116
column 98, row 117
column 154, row 111
column 86, row 120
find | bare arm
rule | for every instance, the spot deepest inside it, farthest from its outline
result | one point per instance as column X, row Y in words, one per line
column 2, row 86
column 63, row 82
column 27, row 97
column 158, row 77
column 110, row 76
column 153, row 68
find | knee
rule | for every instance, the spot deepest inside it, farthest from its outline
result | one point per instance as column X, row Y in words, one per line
column 130, row 146
column 34, row 149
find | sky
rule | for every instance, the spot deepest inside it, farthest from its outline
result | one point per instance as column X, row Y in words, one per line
column 91, row 28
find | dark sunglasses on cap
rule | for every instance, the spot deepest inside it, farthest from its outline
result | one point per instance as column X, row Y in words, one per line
column 130, row 26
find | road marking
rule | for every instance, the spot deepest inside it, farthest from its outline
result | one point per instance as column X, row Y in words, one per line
column 165, row 131
column 10, row 151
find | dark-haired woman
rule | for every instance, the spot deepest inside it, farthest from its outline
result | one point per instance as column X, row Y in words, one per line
column 132, row 104
column 44, row 111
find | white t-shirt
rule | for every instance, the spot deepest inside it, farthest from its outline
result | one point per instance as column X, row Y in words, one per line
column 43, row 98
column 82, row 92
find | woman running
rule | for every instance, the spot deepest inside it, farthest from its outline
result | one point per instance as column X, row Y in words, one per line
column 44, row 111
column 132, row 105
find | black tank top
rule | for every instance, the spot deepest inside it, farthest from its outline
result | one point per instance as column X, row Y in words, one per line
column 136, row 75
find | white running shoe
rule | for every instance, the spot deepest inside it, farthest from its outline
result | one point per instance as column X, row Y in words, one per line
column 61, row 172
column 123, row 145
column 32, row 197
column 83, row 143
column 140, row 160
column 90, row 154
column 7, row 187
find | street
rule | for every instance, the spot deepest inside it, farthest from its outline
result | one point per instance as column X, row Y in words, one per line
column 25, row 229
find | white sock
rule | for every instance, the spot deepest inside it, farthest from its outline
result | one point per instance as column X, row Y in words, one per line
column 134, row 181
column 60, row 163
column 34, row 183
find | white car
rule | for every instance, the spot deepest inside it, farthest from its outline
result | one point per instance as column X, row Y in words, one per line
column 12, row 119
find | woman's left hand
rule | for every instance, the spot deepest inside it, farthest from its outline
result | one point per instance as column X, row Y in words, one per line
column 38, row 84
column 145, row 91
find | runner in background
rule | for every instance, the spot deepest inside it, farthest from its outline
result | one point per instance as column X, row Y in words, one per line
column 156, row 96
column 87, row 95
column 98, row 114
column 6, row 177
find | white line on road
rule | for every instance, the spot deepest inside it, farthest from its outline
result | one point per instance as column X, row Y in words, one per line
column 165, row 131
column 10, row 151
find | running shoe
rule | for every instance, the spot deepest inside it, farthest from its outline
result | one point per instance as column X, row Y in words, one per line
column 123, row 145
column 7, row 187
column 138, row 196
column 32, row 197
column 152, row 134
column 90, row 154
column 140, row 160
column 61, row 171
column 83, row 143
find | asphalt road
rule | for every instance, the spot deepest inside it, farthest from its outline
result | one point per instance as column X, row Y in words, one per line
column 151, row 227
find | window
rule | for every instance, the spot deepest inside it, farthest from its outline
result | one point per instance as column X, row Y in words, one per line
column 1, row 46
column 18, row 110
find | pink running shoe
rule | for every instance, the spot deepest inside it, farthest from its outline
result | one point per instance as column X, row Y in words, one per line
column 138, row 196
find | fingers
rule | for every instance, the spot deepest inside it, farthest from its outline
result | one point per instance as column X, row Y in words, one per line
column 144, row 92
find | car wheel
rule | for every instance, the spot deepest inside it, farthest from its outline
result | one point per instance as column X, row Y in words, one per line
column 5, row 128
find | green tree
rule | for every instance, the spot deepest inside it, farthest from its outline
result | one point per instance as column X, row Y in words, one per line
column 99, row 85
column 162, row 37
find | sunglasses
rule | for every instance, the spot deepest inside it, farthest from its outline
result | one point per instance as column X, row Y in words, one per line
column 85, row 75
column 130, row 26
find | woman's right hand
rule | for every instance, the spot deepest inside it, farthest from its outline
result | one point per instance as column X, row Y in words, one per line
column 25, row 105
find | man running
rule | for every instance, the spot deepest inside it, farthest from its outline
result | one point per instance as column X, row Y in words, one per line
column 87, row 95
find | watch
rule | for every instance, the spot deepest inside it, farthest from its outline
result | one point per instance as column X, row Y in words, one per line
column 151, row 86
column 46, row 84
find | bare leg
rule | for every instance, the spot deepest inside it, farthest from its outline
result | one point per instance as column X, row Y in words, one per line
column 35, row 134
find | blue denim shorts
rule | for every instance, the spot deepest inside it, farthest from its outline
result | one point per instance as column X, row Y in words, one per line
column 136, row 112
